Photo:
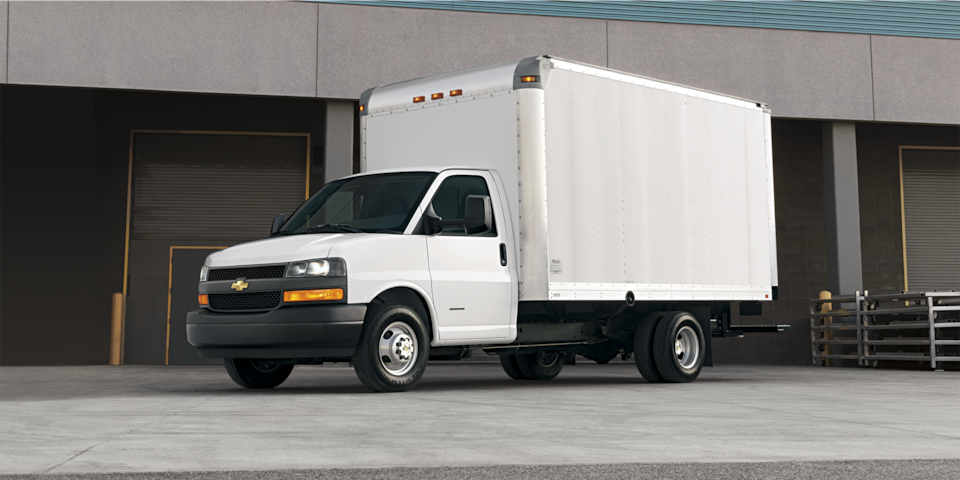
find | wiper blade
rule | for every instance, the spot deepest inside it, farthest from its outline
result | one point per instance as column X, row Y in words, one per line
column 336, row 226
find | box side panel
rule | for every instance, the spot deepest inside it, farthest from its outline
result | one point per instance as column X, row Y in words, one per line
column 771, row 207
column 532, row 268
column 757, row 198
column 477, row 132
column 654, row 192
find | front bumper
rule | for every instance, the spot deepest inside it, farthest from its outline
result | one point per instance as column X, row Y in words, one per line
column 309, row 331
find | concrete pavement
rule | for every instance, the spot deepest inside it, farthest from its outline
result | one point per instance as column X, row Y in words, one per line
column 860, row 469
column 102, row 419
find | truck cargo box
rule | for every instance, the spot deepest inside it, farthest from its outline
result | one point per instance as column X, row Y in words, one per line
column 614, row 182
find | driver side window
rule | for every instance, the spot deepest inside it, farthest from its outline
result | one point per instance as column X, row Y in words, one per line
column 450, row 201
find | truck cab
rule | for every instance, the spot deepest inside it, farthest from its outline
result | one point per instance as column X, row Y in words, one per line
column 434, row 240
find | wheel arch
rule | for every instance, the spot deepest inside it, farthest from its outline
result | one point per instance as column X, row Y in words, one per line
column 414, row 297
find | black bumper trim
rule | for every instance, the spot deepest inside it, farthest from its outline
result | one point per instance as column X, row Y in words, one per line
column 291, row 332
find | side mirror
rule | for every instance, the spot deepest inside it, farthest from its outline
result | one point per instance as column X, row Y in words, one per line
column 477, row 214
column 277, row 223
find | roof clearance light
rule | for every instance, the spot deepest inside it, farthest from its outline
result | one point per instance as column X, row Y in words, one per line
column 313, row 295
column 418, row 99
column 203, row 299
column 362, row 108
column 436, row 96
column 456, row 93
column 529, row 78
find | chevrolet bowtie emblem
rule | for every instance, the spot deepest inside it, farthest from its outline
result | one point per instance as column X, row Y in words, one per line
column 240, row 285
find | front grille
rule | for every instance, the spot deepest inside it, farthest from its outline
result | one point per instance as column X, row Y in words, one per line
column 245, row 301
column 270, row 271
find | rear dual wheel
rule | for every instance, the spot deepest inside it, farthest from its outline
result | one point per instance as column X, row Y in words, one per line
column 533, row 366
column 255, row 373
column 669, row 347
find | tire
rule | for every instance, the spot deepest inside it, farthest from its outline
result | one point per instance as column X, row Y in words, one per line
column 678, row 347
column 510, row 365
column 541, row 365
column 389, row 328
column 253, row 373
column 643, row 347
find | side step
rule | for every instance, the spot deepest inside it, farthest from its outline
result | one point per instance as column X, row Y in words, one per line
column 720, row 329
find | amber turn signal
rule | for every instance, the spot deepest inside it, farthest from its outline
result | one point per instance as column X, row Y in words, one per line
column 362, row 108
column 418, row 99
column 203, row 299
column 313, row 295
column 456, row 93
column 436, row 96
column 529, row 78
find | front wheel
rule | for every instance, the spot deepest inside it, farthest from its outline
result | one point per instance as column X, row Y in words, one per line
column 393, row 349
column 254, row 373
column 541, row 365
column 678, row 347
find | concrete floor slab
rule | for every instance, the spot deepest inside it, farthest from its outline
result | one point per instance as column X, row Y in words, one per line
column 102, row 419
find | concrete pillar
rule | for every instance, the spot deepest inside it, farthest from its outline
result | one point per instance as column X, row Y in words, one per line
column 842, row 208
column 338, row 144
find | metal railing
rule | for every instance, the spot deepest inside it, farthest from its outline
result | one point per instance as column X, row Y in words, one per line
column 879, row 323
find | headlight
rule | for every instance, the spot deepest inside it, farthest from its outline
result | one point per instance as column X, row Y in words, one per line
column 321, row 267
column 204, row 271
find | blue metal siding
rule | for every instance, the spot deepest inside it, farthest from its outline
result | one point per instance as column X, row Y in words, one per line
column 935, row 19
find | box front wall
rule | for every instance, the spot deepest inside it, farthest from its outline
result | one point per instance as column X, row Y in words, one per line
column 654, row 192
column 478, row 132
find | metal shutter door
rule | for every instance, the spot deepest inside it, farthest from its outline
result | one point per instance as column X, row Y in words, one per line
column 223, row 187
column 931, row 214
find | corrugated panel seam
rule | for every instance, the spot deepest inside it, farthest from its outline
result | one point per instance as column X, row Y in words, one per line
column 923, row 18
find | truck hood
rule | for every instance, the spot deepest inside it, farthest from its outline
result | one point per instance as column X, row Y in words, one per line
column 280, row 249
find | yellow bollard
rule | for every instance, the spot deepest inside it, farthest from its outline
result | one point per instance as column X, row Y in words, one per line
column 116, row 329
column 826, row 334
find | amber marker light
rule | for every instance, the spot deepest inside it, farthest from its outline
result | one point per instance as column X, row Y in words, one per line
column 528, row 79
column 203, row 299
column 456, row 93
column 419, row 99
column 362, row 108
column 436, row 96
column 313, row 295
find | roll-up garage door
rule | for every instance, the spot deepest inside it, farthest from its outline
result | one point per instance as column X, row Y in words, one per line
column 223, row 187
column 196, row 191
column 931, row 215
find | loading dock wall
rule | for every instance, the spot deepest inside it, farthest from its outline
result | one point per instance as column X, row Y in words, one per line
column 64, row 195
column 72, row 144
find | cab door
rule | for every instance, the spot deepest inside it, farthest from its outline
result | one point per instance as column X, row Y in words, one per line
column 470, row 275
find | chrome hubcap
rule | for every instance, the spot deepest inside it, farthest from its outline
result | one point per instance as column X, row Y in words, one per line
column 398, row 349
column 687, row 348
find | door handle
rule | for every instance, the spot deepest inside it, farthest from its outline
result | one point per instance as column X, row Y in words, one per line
column 503, row 255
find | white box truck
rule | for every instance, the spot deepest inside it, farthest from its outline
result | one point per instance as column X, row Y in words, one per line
column 534, row 209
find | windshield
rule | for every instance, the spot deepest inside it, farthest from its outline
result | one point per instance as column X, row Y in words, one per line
column 372, row 203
